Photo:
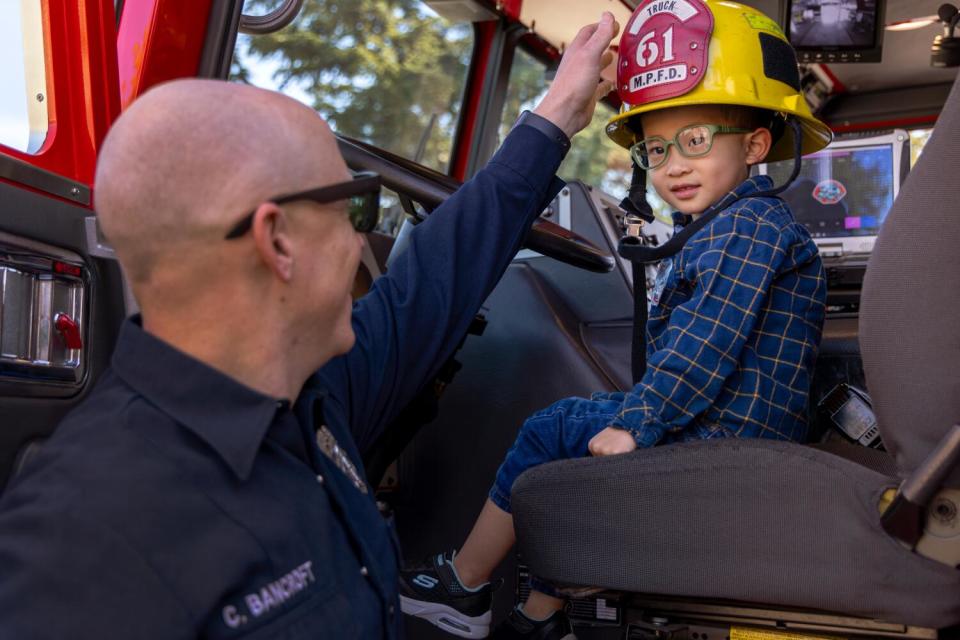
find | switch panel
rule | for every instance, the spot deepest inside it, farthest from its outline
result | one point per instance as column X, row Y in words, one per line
column 43, row 298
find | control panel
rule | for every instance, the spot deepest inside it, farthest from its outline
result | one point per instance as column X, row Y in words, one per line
column 43, row 300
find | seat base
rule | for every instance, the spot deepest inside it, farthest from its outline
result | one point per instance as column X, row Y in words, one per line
column 631, row 615
column 718, row 619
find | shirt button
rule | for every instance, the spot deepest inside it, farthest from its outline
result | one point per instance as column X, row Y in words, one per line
column 319, row 478
column 364, row 571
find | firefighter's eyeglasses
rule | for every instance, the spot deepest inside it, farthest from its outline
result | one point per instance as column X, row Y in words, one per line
column 362, row 194
column 692, row 142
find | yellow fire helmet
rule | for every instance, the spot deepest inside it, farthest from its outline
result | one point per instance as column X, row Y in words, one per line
column 693, row 52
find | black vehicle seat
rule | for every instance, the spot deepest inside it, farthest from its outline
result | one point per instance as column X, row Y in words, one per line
column 779, row 523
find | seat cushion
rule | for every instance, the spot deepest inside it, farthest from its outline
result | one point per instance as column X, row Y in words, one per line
column 750, row 520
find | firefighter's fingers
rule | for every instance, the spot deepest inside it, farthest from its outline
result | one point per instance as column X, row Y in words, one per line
column 572, row 96
column 583, row 36
column 606, row 59
column 604, row 33
column 603, row 89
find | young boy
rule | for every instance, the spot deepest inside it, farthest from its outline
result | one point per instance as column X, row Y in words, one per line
column 736, row 315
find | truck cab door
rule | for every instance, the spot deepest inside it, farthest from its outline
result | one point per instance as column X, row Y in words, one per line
column 61, row 290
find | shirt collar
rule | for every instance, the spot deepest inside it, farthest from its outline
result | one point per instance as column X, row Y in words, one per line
column 229, row 416
column 748, row 187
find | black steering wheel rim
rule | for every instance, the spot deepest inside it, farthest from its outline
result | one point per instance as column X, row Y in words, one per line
column 430, row 188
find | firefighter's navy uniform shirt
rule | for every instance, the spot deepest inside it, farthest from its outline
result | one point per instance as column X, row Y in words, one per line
column 177, row 503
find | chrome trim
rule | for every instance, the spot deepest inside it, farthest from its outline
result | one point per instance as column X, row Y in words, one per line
column 96, row 243
column 42, row 248
column 33, row 356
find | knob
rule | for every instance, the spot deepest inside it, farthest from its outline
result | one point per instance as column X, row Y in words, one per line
column 69, row 330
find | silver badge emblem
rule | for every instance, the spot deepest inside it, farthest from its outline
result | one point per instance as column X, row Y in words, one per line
column 328, row 445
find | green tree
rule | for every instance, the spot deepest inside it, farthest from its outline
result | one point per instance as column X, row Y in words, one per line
column 386, row 71
column 392, row 73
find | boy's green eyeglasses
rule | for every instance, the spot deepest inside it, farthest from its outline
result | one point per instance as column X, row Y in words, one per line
column 692, row 142
column 362, row 194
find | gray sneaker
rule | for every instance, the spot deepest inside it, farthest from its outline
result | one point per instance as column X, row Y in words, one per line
column 433, row 592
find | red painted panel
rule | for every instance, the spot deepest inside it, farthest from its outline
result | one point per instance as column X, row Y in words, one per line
column 159, row 40
column 511, row 8
column 882, row 125
column 82, row 97
column 838, row 87
column 485, row 32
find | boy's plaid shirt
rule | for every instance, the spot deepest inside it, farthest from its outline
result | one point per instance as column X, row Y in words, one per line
column 732, row 343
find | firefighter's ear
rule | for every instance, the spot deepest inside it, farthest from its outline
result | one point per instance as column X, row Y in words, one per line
column 271, row 235
column 757, row 145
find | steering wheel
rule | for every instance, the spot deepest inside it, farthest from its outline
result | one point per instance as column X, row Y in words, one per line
column 430, row 188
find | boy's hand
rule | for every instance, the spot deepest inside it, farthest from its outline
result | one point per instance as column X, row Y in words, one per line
column 573, row 96
column 611, row 441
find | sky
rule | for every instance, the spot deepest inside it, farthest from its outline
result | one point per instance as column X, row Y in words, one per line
column 262, row 70
column 14, row 126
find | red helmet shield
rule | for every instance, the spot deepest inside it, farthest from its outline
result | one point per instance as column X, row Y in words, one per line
column 663, row 52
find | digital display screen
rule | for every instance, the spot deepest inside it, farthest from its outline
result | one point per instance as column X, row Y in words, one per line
column 835, row 29
column 840, row 192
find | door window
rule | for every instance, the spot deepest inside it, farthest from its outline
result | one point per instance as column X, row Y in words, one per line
column 388, row 72
column 23, row 86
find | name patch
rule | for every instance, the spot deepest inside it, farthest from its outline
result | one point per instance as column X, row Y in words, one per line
column 663, row 75
column 270, row 596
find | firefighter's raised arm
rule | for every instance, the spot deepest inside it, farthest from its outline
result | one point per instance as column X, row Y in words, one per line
column 414, row 316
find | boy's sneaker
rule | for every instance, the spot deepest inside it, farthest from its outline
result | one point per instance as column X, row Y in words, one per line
column 433, row 591
column 517, row 626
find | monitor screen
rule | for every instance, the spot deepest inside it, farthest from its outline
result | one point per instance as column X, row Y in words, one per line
column 835, row 30
column 840, row 192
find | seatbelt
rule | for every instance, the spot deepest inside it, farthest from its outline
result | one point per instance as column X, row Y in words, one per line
column 636, row 205
column 632, row 248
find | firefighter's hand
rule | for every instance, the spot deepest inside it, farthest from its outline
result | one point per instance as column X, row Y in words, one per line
column 573, row 96
column 611, row 441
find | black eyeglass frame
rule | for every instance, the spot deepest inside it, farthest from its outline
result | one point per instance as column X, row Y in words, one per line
column 364, row 216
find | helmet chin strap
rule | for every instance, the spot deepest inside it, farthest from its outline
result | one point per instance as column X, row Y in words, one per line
column 631, row 247
column 636, row 201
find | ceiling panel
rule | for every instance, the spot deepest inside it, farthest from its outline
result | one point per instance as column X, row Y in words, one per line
column 557, row 21
column 906, row 54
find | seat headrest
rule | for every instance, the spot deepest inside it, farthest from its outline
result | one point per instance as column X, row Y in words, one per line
column 910, row 306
